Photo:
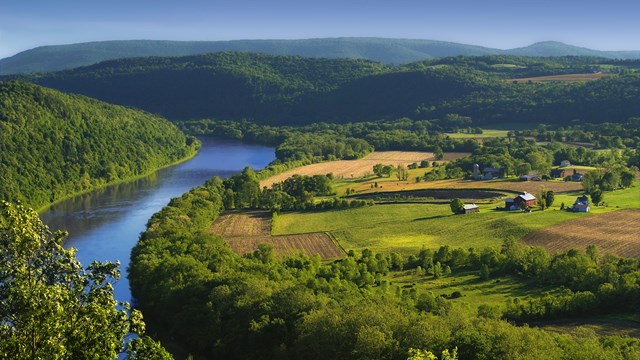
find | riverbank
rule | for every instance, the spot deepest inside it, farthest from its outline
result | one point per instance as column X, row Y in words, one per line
column 44, row 208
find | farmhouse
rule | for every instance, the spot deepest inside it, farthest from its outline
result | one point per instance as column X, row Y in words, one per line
column 564, row 163
column 581, row 204
column 576, row 177
column 471, row 208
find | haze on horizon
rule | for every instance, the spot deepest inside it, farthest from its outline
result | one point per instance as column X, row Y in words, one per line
column 498, row 24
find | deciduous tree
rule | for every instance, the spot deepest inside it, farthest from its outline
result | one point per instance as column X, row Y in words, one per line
column 52, row 308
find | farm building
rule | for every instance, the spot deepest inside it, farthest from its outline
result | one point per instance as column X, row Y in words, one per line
column 490, row 173
column 564, row 163
column 581, row 204
column 560, row 173
column 530, row 177
column 576, row 177
column 524, row 200
column 471, row 208
column 509, row 204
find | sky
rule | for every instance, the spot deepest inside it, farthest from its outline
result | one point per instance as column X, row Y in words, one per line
column 610, row 25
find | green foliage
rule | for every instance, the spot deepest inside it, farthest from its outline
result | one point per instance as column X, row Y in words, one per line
column 549, row 197
column 279, row 89
column 597, row 196
column 457, row 206
column 50, row 307
column 54, row 145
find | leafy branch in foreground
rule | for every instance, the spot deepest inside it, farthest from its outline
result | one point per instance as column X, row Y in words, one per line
column 52, row 308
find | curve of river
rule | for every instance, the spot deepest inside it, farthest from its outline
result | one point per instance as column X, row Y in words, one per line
column 105, row 225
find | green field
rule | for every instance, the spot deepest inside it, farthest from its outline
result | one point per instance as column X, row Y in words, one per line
column 474, row 291
column 486, row 133
column 406, row 228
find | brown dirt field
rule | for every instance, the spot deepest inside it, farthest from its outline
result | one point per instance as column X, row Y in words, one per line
column 360, row 167
column 289, row 245
column 563, row 78
column 244, row 231
column 616, row 233
column 529, row 186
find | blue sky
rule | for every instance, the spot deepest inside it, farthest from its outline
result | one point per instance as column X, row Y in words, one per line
column 611, row 25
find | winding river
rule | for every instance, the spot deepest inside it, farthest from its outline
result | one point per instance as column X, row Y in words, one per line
column 105, row 225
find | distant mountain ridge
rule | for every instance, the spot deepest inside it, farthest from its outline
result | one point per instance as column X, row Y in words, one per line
column 389, row 51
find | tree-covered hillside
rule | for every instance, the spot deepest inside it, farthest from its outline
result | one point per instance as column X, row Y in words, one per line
column 295, row 90
column 388, row 51
column 53, row 145
column 233, row 85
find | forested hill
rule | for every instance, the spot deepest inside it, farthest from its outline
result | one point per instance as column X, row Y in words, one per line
column 295, row 90
column 229, row 85
column 54, row 144
column 389, row 51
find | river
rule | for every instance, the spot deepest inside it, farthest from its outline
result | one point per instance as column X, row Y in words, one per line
column 104, row 225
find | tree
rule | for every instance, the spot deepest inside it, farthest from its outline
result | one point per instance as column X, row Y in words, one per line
column 484, row 272
column 457, row 206
column 52, row 308
column 590, row 180
column 401, row 172
column 438, row 153
column 596, row 196
column 523, row 169
column 549, row 196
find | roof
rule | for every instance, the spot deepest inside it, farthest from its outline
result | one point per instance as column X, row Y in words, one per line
column 470, row 206
column 527, row 197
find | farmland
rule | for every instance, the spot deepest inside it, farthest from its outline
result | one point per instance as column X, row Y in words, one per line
column 360, row 167
column 363, row 186
column 486, row 133
column 244, row 231
column 405, row 228
column 570, row 78
column 616, row 232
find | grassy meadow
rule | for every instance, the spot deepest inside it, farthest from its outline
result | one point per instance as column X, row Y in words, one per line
column 486, row 133
column 406, row 228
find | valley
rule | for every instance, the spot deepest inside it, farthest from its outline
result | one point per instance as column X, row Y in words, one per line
column 336, row 208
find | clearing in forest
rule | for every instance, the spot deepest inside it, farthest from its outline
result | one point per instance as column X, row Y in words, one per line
column 244, row 231
column 616, row 232
column 360, row 167
column 573, row 78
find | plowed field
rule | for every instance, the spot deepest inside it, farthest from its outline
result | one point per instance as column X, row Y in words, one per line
column 617, row 232
column 244, row 231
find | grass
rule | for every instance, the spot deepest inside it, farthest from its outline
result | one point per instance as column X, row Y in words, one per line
column 474, row 291
column 486, row 133
column 405, row 228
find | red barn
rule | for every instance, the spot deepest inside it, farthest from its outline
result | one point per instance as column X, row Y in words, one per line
column 525, row 200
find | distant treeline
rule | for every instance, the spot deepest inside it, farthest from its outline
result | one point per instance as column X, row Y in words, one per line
column 193, row 289
column 54, row 145
column 516, row 154
column 324, row 141
column 295, row 90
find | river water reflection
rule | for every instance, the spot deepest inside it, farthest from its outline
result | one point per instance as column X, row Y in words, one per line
column 105, row 225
